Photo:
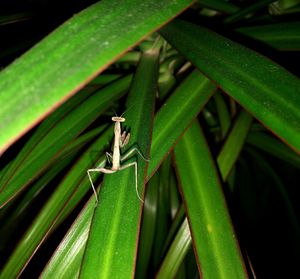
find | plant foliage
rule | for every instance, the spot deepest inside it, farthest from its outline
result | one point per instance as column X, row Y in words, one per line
column 211, row 98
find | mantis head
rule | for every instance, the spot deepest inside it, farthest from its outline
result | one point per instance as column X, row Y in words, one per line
column 118, row 119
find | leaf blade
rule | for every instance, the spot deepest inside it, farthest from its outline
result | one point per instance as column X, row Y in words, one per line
column 213, row 236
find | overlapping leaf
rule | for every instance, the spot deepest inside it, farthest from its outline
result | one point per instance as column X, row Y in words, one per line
column 266, row 90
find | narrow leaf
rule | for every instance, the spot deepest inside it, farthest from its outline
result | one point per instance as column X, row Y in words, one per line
column 147, row 227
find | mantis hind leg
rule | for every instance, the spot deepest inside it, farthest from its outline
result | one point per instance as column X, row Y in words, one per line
column 102, row 170
column 91, row 181
column 136, row 177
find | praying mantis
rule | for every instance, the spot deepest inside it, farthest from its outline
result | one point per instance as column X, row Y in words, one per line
column 120, row 140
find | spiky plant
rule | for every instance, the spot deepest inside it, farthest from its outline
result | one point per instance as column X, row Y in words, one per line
column 210, row 94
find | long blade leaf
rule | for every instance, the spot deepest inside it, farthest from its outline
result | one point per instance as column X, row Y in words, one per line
column 215, row 241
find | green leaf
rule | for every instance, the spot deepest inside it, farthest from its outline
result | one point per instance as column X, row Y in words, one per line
column 147, row 227
column 61, row 114
column 234, row 143
column 60, row 163
column 263, row 88
column 287, row 4
column 163, row 220
column 277, row 9
column 174, row 256
column 41, row 131
column 179, row 111
column 174, row 229
column 198, row 89
column 54, row 210
column 71, row 56
column 223, row 114
column 215, row 242
column 115, row 226
column 274, row 147
column 66, row 260
column 42, row 149
column 229, row 153
column 282, row 36
column 15, row 212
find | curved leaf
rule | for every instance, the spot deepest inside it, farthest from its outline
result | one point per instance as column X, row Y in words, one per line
column 263, row 88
